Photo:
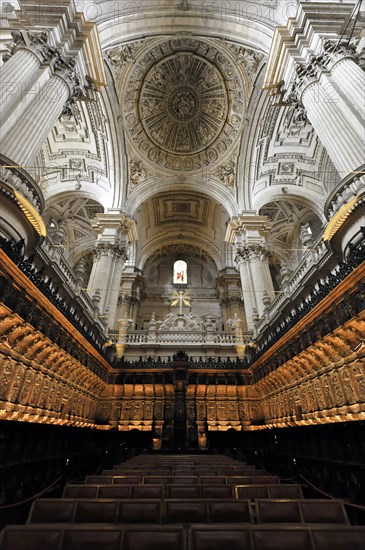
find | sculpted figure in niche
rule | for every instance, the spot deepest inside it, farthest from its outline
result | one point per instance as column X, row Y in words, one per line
column 347, row 385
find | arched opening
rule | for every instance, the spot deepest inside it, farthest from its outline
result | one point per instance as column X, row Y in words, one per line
column 180, row 273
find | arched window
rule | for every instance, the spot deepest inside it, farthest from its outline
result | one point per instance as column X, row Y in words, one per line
column 180, row 273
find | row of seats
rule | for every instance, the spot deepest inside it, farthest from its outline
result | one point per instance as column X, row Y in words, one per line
column 183, row 491
column 60, row 536
column 198, row 470
column 184, row 503
column 181, row 480
column 186, row 511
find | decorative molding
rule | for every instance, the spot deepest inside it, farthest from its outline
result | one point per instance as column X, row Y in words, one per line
column 31, row 214
column 339, row 219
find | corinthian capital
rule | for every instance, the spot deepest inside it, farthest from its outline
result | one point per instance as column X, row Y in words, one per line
column 114, row 251
column 37, row 42
column 17, row 42
column 77, row 91
column 339, row 50
column 251, row 252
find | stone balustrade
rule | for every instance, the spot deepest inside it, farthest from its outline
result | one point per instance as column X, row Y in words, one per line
column 192, row 338
column 314, row 258
column 53, row 256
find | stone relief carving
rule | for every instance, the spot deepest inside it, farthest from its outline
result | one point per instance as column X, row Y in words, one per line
column 126, row 53
column 227, row 173
column 304, row 74
column 137, row 171
column 183, row 103
column 297, row 112
column 252, row 252
column 249, row 58
column 183, row 87
column 171, row 322
column 17, row 42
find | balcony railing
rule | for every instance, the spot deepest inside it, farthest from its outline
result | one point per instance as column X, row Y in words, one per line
column 189, row 338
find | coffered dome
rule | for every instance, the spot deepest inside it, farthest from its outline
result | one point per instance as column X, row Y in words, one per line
column 184, row 103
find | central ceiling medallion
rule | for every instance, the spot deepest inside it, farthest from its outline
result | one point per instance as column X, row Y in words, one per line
column 183, row 103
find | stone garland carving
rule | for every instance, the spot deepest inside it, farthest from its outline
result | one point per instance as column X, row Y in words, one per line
column 297, row 113
column 182, row 87
column 77, row 90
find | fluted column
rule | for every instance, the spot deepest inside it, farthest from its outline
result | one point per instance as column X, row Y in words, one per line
column 39, row 119
column 350, row 79
column 18, row 75
column 120, row 257
column 109, row 258
column 253, row 263
column 37, row 83
column 248, row 233
column 106, row 273
column 248, row 295
column 330, row 90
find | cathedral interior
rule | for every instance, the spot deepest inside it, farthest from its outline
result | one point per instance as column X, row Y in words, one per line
column 182, row 246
